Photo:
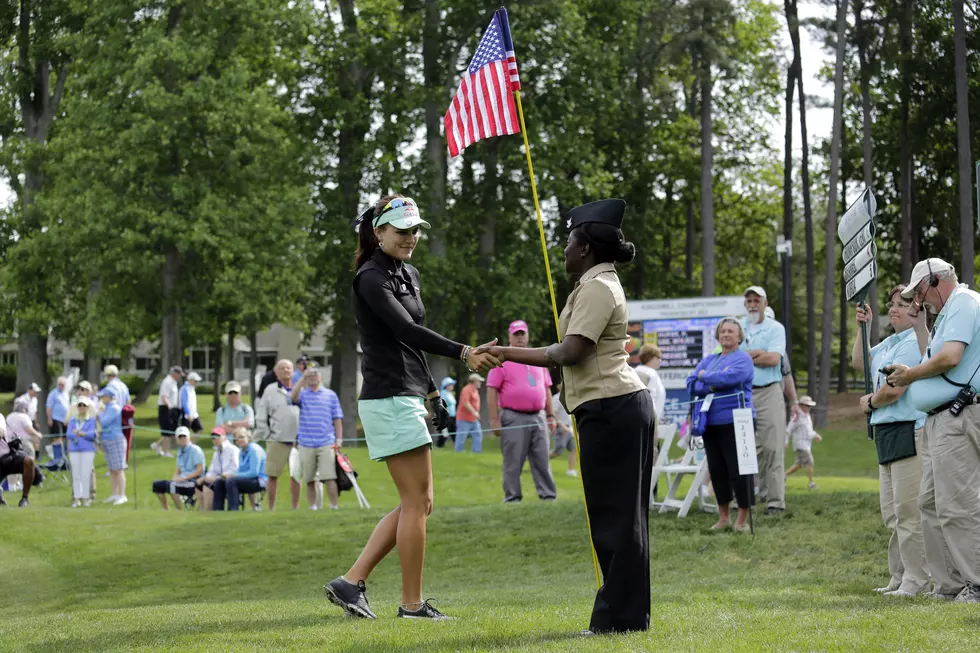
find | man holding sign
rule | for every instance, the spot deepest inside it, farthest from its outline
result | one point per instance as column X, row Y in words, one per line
column 765, row 342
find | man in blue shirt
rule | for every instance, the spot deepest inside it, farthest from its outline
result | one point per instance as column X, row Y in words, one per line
column 949, row 500
column 57, row 407
column 235, row 414
column 765, row 342
column 250, row 478
column 319, row 436
column 190, row 467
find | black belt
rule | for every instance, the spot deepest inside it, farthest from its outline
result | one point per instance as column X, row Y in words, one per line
column 522, row 412
column 760, row 387
column 948, row 405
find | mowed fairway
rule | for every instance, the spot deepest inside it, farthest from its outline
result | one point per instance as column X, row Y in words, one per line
column 516, row 577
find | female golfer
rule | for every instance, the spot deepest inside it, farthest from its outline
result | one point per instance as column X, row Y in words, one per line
column 392, row 403
column 613, row 410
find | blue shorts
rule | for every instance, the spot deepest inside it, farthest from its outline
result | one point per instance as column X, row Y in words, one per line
column 394, row 425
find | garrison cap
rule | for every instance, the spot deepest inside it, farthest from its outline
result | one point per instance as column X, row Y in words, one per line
column 608, row 212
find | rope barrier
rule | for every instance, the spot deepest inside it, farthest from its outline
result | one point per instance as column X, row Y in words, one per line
column 481, row 430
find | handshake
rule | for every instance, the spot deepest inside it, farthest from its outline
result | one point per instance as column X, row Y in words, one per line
column 485, row 357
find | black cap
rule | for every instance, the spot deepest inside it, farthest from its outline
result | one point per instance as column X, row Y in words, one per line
column 178, row 369
column 608, row 212
column 303, row 359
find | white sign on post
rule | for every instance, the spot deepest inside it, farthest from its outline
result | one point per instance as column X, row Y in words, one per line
column 745, row 441
column 856, row 231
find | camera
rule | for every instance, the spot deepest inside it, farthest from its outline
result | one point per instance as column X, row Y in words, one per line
column 966, row 397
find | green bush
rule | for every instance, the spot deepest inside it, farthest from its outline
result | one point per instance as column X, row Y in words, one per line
column 134, row 383
column 8, row 378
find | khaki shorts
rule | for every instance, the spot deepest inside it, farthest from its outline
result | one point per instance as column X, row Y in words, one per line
column 276, row 457
column 804, row 458
column 319, row 459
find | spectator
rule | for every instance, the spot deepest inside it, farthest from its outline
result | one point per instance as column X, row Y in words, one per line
column 650, row 359
column 765, row 342
column 721, row 376
column 190, row 467
column 235, row 414
column 319, row 436
column 168, row 411
column 302, row 363
column 789, row 384
column 943, row 386
column 898, row 443
column 31, row 398
column 85, row 389
column 13, row 461
column 525, row 420
column 56, row 408
column 564, row 435
column 276, row 422
column 800, row 427
column 190, row 417
column 468, row 415
column 250, row 478
column 122, row 390
column 113, row 444
column 224, row 462
column 81, row 433
column 20, row 428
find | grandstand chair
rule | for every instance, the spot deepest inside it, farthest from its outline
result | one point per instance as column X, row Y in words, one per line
column 258, row 501
column 58, row 468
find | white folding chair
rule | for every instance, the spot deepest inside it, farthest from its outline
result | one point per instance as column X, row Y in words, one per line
column 693, row 463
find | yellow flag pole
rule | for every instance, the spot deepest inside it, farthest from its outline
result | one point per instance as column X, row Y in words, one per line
column 554, row 310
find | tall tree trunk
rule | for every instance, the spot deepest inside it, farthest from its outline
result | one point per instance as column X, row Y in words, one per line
column 171, row 348
column 811, row 263
column 435, row 156
column 830, row 249
column 905, row 155
column 963, row 154
column 689, row 225
column 792, row 21
column 216, row 374
column 486, row 325
column 843, row 354
column 253, row 387
column 707, row 185
column 861, row 29
column 230, row 352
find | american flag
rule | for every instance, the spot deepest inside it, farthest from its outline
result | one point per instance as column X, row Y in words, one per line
column 484, row 105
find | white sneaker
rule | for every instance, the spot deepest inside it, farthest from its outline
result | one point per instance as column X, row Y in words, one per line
column 167, row 454
column 890, row 587
column 120, row 500
column 335, row 507
column 76, row 503
column 87, row 503
column 156, row 448
column 901, row 594
column 571, row 472
column 111, row 499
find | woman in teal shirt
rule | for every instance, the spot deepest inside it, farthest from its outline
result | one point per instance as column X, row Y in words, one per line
column 897, row 426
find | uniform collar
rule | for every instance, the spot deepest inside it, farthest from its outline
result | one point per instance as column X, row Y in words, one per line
column 388, row 264
column 596, row 270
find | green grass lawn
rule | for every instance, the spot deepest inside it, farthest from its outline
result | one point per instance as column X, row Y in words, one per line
column 516, row 577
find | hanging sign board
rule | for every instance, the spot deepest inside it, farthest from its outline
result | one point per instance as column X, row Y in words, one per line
column 856, row 231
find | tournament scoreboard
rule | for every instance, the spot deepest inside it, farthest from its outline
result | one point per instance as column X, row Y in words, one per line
column 684, row 330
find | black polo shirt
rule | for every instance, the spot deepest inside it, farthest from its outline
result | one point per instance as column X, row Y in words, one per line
column 390, row 314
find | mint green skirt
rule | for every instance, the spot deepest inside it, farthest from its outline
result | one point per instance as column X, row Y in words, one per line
column 394, row 425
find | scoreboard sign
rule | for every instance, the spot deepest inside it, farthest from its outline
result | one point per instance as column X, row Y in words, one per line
column 684, row 330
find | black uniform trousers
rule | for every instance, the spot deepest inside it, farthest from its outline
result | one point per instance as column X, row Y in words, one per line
column 616, row 436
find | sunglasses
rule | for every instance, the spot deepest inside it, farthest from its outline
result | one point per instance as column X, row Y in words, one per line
column 397, row 203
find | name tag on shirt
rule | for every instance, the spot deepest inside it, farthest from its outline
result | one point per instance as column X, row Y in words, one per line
column 706, row 404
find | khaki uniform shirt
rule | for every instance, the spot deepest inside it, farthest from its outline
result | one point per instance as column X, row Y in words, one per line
column 596, row 310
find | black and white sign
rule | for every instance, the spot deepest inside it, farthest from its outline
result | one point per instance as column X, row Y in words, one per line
column 856, row 231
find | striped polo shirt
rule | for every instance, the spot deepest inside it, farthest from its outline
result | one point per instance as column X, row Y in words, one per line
column 317, row 411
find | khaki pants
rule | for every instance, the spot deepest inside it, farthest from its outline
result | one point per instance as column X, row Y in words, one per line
column 899, row 491
column 770, row 434
column 949, row 500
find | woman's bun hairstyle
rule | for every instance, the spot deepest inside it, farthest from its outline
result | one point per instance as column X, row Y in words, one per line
column 608, row 243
